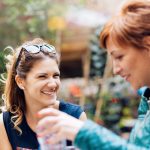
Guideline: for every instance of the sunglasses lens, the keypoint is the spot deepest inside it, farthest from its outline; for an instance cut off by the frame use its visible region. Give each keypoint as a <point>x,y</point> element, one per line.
<point>37,48</point>
<point>49,48</point>
<point>32,49</point>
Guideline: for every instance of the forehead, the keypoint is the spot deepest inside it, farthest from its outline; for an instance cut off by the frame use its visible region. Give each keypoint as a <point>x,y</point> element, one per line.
<point>46,64</point>
<point>114,49</point>
<point>111,47</point>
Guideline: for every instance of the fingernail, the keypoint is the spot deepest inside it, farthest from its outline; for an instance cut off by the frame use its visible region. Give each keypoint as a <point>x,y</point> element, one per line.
<point>39,130</point>
<point>37,115</point>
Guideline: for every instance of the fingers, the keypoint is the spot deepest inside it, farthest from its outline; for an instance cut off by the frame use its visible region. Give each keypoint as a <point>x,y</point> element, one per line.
<point>58,123</point>
<point>49,120</point>
<point>56,138</point>
<point>46,125</point>
<point>47,112</point>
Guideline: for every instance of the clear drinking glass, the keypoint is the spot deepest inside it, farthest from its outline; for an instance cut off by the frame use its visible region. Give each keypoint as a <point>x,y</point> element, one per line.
<point>46,146</point>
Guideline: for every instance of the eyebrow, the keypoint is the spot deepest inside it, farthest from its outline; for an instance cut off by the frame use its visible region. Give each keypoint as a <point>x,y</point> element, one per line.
<point>41,73</point>
<point>113,52</point>
<point>47,73</point>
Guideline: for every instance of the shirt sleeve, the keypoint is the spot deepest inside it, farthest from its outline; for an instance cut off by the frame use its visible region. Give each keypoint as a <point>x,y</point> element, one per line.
<point>94,137</point>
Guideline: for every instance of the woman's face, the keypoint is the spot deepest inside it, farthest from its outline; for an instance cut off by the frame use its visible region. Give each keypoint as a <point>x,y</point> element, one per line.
<point>42,83</point>
<point>131,64</point>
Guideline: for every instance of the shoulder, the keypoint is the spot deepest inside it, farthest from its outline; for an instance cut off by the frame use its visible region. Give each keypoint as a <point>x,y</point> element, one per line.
<point>2,127</point>
<point>4,142</point>
<point>83,116</point>
<point>1,119</point>
<point>71,109</point>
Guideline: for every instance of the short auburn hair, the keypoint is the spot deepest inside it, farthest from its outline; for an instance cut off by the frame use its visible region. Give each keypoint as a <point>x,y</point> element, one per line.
<point>130,26</point>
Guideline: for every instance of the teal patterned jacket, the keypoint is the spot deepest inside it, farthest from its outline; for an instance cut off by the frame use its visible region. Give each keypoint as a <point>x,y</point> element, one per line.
<point>94,137</point>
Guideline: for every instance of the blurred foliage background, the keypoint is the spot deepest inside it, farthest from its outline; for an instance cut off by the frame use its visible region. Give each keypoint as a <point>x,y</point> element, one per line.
<point>22,20</point>
<point>73,26</point>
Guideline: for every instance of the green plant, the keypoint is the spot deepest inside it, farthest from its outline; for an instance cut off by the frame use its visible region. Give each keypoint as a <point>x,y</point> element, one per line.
<point>2,72</point>
<point>98,56</point>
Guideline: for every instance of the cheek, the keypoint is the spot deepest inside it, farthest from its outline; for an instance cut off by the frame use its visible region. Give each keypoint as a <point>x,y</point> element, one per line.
<point>58,83</point>
<point>129,64</point>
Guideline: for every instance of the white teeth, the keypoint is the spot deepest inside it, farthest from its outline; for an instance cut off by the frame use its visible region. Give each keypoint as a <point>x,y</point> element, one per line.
<point>45,92</point>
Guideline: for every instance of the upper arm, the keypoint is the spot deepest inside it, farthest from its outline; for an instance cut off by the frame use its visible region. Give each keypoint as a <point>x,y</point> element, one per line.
<point>4,142</point>
<point>83,116</point>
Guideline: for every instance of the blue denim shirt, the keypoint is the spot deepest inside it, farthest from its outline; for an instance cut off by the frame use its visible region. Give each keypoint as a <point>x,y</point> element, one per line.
<point>94,137</point>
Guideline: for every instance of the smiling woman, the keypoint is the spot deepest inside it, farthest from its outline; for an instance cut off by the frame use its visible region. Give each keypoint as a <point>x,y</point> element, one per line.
<point>32,84</point>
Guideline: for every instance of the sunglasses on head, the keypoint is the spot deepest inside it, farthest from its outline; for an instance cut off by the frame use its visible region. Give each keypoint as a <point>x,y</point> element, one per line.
<point>37,48</point>
<point>34,49</point>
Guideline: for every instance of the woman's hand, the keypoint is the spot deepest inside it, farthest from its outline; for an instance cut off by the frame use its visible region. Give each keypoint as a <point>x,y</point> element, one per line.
<point>61,125</point>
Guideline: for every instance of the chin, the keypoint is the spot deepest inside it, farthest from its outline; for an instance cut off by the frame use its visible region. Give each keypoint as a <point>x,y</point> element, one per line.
<point>52,101</point>
<point>135,86</point>
<point>45,105</point>
<point>49,101</point>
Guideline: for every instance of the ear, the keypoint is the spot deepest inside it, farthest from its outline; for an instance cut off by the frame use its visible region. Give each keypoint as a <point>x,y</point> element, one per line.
<point>20,82</point>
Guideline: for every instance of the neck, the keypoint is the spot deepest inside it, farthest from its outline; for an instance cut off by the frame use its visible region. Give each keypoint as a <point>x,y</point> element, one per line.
<point>31,113</point>
<point>31,118</point>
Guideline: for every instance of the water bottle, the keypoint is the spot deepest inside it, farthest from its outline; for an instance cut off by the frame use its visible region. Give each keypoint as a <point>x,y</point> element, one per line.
<point>46,146</point>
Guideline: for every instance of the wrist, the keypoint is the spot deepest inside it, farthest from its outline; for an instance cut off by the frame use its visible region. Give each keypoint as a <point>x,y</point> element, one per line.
<point>77,128</point>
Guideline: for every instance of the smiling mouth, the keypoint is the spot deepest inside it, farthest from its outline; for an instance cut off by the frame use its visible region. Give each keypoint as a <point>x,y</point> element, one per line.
<point>126,78</point>
<point>48,92</point>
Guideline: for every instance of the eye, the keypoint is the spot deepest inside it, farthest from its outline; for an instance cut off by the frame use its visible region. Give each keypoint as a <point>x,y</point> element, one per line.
<point>57,75</point>
<point>42,76</point>
<point>119,57</point>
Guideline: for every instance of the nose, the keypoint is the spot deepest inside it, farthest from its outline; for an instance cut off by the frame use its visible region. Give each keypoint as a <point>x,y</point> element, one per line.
<point>51,83</point>
<point>116,68</point>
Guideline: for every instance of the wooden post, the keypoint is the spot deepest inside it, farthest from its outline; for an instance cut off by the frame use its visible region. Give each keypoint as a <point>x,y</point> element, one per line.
<point>86,70</point>
<point>107,74</point>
